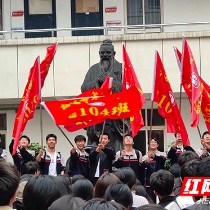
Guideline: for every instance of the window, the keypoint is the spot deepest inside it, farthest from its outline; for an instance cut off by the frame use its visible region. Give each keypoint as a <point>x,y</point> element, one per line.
<point>1,27</point>
<point>3,128</point>
<point>158,129</point>
<point>142,12</point>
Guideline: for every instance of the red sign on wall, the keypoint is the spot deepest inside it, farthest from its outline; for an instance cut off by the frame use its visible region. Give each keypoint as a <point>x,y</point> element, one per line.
<point>110,9</point>
<point>17,13</point>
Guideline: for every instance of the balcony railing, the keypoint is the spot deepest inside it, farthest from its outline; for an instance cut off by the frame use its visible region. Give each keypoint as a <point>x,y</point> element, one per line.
<point>107,28</point>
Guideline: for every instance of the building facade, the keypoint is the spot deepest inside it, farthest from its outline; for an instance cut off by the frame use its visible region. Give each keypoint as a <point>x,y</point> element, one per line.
<point>78,50</point>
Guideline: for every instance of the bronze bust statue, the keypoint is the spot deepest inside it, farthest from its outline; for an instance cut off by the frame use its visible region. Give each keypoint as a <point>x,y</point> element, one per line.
<point>96,75</point>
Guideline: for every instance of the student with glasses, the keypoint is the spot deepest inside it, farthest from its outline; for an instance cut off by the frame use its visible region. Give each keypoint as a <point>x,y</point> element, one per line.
<point>153,161</point>
<point>205,150</point>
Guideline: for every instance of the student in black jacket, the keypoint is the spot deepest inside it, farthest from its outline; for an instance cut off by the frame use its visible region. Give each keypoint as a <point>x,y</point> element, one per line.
<point>23,154</point>
<point>79,160</point>
<point>177,148</point>
<point>101,158</point>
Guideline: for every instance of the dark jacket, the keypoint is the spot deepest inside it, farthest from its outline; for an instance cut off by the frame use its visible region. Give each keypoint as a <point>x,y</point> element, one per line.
<point>106,157</point>
<point>174,152</point>
<point>45,163</point>
<point>79,164</point>
<point>21,156</point>
<point>133,161</point>
<point>156,163</point>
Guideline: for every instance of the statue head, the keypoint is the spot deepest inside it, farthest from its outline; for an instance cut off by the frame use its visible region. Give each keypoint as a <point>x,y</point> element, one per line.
<point>106,53</point>
<point>107,50</point>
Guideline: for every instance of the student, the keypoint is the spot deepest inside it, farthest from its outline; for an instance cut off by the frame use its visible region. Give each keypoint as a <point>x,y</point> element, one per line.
<point>41,191</point>
<point>177,148</point>
<point>9,180</point>
<point>153,161</point>
<point>162,182</point>
<point>101,158</point>
<point>120,193</point>
<point>103,183</point>
<point>79,160</point>
<point>83,189</point>
<point>67,202</point>
<point>205,150</point>
<point>50,161</point>
<point>129,157</point>
<point>23,154</point>
<point>127,176</point>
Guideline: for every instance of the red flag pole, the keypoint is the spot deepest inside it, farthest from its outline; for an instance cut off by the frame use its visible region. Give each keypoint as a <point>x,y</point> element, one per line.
<point>40,107</point>
<point>151,116</point>
<point>65,135</point>
<point>180,98</point>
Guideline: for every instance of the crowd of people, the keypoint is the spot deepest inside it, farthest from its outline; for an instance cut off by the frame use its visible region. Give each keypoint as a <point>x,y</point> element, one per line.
<point>101,178</point>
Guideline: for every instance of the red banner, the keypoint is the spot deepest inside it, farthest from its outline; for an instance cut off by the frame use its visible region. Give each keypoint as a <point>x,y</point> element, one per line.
<point>167,106</point>
<point>191,82</point>
<point>106,89</point>
<point>130,78</point>
<point>30,100</point>
<point>45,65</point>
<point>119,105</point>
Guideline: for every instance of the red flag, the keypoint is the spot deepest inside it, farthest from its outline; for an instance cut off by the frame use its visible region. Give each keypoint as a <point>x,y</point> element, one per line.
<point>191,82</point>
<point>45,65</point>
<point>167,106</point>
<point>118,105</point>
<point>205,106</point>
<point>107,86</point>
<point>130,78</point>
<point>30,100</point>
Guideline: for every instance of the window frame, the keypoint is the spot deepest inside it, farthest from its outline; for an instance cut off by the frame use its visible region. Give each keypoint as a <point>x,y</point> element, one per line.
<point>143,29</point>
<point>146,128</point>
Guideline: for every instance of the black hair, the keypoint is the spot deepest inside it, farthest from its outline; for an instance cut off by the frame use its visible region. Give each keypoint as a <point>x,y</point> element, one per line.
<point>79,137</point>
<point>30,167</point>
<point>83,189</point>
<point>150,207</point>
<point>128,134</point>
<point>140,190</point>
<point>176,134</point>
<point>67,202</point>
<point>155,140</point>
<point>126,176</point>
<point>101,204</point>
<point>189,169</point>
<point>41,191</point>
<point>203,168</point>
<point>9,179</point>
<point>105,134</point>
<point>175,169</point>
<point>104,181</point>
<point>206,132</point>
<point>51,135</point>
<point>77,177</point>
<point>120,193</point>
<point>162,182</point>
<point>66,181</point>
<point>187,156</point>
<point>26,137</point>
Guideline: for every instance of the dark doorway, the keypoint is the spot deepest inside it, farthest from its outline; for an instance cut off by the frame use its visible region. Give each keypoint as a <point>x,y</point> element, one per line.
<point>39,14</point>
<point>87,13</point>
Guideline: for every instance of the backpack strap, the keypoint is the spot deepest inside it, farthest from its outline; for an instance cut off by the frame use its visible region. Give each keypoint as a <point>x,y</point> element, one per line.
<point>137,154</point>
